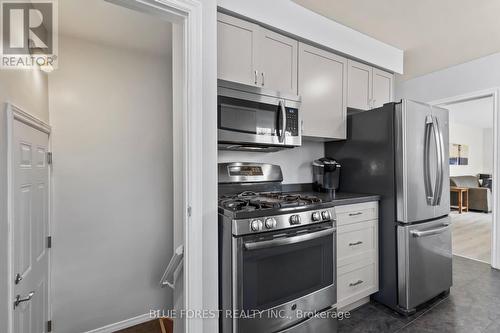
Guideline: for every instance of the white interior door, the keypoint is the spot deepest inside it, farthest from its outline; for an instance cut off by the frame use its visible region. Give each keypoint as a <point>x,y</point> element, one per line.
<point>30,259</point>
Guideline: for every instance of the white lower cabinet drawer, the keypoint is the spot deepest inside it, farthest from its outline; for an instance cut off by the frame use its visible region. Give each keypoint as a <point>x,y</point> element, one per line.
<point>355,241</point>
<point>356,283</point>
<point>356,213</point>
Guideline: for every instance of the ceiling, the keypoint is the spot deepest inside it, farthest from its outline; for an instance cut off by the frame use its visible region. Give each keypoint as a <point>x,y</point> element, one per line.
<point>474,113</point>
<point>102,22</point>
<point>434,34</point>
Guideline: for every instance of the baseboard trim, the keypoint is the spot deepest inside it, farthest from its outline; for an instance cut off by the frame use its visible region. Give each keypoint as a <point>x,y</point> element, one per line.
<point>123,324</point>
<point>462,256</point>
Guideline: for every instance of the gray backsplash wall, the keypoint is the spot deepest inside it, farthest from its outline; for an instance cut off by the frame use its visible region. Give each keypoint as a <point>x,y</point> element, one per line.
<point>295,163</point>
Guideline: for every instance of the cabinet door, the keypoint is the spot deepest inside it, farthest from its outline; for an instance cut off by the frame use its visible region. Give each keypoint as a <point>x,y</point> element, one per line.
<point>382,87</point>
<point>277,62</point>
<point>236,49</point>
<point>359,92</point>
<point>323,88</point>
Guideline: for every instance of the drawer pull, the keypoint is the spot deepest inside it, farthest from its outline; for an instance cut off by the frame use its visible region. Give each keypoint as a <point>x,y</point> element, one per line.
<point>353,284</point>
<point>357,243</point>
<point>355,214</point>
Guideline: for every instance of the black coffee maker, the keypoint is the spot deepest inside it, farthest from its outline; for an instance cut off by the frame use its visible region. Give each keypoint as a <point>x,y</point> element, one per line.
<point>326,174</point>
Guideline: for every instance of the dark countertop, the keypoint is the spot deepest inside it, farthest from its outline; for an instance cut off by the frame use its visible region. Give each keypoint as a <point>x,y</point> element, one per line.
<point>343,198</point>
<point>340,198</point>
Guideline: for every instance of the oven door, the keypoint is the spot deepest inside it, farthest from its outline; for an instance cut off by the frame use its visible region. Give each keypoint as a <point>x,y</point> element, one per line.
<point>280,276</point>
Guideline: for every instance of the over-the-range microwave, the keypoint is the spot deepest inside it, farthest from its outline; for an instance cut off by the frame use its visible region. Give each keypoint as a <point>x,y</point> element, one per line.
<point>256,119</point>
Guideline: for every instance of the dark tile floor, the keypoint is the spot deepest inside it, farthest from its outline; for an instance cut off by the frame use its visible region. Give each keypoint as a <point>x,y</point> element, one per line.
<point>473,305</point>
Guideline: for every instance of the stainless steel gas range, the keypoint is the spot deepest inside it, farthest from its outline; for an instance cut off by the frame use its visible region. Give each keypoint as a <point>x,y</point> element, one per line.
<point>277,256</point>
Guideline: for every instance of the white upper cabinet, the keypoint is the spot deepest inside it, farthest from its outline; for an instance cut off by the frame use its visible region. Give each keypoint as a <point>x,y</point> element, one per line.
<point>236,49</point>
<point>383,84</point>
<point>360,80</point>
<point>328,83</point>
<point>368,87</point>
<point>250,54</point>
<point>323,88</point>
<point>277,61</point>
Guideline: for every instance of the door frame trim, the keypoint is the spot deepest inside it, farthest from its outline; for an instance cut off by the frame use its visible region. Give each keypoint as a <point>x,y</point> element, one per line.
<point>186,17</point>
<point>16,113</point>
<point>495,94</point>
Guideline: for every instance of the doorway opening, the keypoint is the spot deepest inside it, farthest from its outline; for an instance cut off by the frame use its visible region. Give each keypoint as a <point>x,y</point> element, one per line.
<point>125,115</point>
<point>473,168</point>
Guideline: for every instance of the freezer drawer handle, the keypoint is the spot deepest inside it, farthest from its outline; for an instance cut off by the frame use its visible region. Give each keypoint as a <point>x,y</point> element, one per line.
<point>355,214</point>
<point>436,231</point>
<point>354,284</point>
<point>357,243</point>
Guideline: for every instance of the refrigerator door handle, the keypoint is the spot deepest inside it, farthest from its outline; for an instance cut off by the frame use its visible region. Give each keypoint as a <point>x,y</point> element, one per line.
<point>429,121</point>
<point>440,162</point>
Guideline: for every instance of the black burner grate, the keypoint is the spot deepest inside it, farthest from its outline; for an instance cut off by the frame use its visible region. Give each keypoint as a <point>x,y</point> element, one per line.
<point>250,201</point>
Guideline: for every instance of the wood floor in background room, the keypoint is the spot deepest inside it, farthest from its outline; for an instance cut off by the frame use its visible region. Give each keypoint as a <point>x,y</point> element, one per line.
<point>148,327</point>
<point>472,235</point>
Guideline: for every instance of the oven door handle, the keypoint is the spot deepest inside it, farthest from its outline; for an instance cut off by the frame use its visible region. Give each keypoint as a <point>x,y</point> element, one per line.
<point>288,240</point>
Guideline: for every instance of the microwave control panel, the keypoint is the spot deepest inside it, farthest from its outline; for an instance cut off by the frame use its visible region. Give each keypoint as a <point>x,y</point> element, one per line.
<point>292,121</point>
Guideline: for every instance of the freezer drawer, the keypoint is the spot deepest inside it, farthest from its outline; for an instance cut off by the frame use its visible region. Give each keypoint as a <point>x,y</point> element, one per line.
<point>424,262</point>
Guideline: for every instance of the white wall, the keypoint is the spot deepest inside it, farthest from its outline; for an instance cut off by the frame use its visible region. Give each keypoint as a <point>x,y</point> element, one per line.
<point>476,75</point>
<point>295,163</point>
<point>28,90</point>
<point>111,117</point>
<point>488,150</point>
<point>294,19</point>
<point>474,138</point>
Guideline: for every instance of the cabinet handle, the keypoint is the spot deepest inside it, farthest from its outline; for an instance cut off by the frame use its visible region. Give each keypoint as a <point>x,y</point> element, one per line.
<point>357,243</point>
<point>355,214</point>
<point>263,78</point>
<point>353,284</point>
<point>256,74</point>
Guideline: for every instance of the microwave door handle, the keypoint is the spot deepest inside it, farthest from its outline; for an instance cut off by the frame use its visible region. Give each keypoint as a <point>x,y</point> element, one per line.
<point>287,240</point>
<point>281,131</point>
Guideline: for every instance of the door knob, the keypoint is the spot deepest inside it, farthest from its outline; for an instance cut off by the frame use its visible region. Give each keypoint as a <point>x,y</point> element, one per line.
<point>20,300</point>
<point>18,279</point>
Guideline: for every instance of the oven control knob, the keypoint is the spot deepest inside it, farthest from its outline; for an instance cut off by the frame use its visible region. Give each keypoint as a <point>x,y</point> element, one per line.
<point>316,217</point>
<point>270,223</point>
<point>325,215</point>
<point>256,225</point>
<point>295,219</point>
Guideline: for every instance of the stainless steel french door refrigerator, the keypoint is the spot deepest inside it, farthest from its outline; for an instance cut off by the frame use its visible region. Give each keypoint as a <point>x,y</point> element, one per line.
<point>401,152</point>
